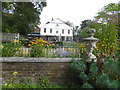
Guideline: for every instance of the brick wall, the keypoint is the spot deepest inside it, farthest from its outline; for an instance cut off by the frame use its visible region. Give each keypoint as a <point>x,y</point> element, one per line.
<point>37,30</point>
<point>56,70</point>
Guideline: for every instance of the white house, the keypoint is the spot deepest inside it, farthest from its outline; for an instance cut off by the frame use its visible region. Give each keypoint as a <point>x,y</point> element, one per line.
<point>56,30</point>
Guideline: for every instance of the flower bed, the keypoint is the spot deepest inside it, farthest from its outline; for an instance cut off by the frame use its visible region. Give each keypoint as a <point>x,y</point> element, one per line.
<point>38,48</point>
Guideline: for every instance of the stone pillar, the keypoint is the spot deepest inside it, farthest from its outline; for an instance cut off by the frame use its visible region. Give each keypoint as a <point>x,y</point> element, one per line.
<point>91,44</point>
<point>65,38</point>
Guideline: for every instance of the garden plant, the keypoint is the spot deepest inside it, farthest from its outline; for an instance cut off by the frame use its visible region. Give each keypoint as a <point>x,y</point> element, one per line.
<point>101,74</point>
<point>27,83</point>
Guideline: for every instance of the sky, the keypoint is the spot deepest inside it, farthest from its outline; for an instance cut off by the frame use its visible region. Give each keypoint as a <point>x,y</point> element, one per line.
<point>74,11</point>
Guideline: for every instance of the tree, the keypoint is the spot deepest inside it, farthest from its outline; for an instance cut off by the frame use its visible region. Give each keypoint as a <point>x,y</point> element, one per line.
<point>75,33</point>
<point>109,16</point>
<point>88,24</point>
<point>107,27</point>
<point>108,33</point>
<point>21,17</point>
<point>85,24</point>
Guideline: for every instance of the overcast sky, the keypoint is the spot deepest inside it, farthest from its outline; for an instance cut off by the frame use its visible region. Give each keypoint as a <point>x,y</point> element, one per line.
<point>74,11</point>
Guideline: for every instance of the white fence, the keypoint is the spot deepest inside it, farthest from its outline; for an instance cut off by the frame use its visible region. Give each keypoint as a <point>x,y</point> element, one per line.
<point>54,52</point>
<point>7,37</point>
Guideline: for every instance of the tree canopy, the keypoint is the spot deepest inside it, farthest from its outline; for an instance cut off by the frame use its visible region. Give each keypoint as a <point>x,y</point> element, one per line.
<point>106,20</point>
<point>21,17</point>
<point>107,28</point>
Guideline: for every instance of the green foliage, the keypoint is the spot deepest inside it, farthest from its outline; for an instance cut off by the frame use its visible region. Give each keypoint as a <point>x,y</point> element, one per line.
<point>91,75</point>
<point>38,47</point>
<point>28,83</point>
<point>103,81</point>
<point>111,7</point>
<point>108,19</point>
<point>107,28</point>
<point>107,39</point>
<point>86,85</point>
<point>37,51</point>
<point>93,68</point>
<point>83,33</point>
<point>114,84</point>
<point>44,82</point>
<point>20,17</point>
<point>89,25</point>
<point>59,43</point>
<point>78,66</point>
<point>18,85</point>
<point>111,67</point>
<point>22,37</point>
<point>85,24</point>
<point>9,49</point>
<point>83,76</point>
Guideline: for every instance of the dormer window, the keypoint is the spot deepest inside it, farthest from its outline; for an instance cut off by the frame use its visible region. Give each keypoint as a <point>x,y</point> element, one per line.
<point>57,25</point>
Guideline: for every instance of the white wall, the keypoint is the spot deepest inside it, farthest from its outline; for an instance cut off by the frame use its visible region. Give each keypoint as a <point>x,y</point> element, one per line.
<point>54,32</point>
<point>52,25</point>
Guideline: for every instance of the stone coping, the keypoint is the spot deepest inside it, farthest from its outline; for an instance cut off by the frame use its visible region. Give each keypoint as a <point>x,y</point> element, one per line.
<point>34,59</point>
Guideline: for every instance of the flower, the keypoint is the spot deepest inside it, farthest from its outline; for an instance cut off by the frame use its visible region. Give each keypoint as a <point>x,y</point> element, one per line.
<point>14,73</point>
<point>62,53</point>
<point>29,45</point>
<point>25,53</point>
<point>6,84</point>
<point>53,44</point>
<point>20,48</point>
<point>1,46</point>
<point>16,41</point>
<point>118,42</point>
<point>96,48</point>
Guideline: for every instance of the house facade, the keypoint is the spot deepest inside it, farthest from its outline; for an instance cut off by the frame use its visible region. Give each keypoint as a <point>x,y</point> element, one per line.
<point>56,30</point>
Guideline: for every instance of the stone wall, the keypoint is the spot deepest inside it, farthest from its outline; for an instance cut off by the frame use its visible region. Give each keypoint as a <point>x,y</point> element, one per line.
<point>57,70</point>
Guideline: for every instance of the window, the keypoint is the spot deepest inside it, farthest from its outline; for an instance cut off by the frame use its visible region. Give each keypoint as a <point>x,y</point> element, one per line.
<point>57,25</point>
<point>56,31</point>
<point>44,30</point>
<point>50,30</point>
<point>68,31</point>
<point>62,31</point>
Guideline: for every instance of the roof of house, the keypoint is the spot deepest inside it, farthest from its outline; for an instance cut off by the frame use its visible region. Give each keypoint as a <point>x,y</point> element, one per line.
<point>57,23</point>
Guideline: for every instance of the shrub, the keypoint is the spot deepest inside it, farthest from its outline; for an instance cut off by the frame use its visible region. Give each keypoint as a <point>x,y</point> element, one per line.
<point>37,51</point>
<point>103,81</point>
<point>28,83</point>
<point>111,67</point>
<point>60,43</point>
<point>10,49</point>
<point>86,85</point>
<point>91,76</point>
<point>38,47</point>
<point>78,66</point>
